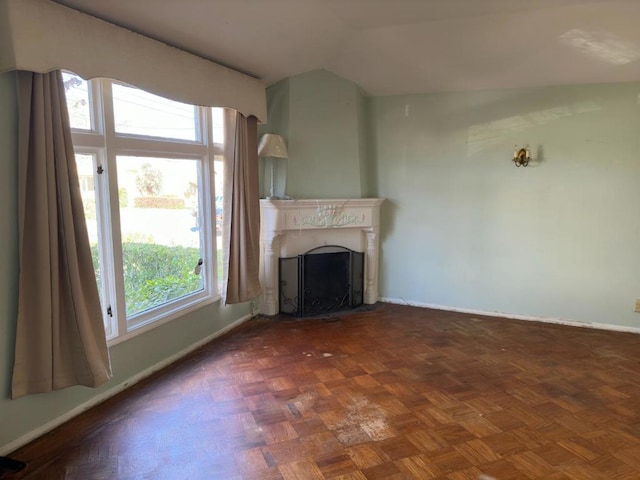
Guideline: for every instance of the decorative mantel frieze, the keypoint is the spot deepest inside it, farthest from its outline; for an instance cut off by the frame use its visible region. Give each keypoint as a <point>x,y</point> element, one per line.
<point>327,216</point>
<point>293,227</point>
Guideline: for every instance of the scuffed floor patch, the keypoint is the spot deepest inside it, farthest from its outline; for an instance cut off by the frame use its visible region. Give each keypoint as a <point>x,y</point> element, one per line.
<point>364,421</point>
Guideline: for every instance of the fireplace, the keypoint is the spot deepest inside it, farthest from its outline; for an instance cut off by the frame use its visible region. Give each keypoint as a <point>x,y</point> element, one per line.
<point>323,280</point>
<point>290,228</point>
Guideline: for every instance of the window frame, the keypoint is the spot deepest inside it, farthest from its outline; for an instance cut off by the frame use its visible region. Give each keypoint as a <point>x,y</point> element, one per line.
<point>106,145</point>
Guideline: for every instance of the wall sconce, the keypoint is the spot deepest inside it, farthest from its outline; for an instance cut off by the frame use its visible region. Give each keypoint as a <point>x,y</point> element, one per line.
<point>522,156</point>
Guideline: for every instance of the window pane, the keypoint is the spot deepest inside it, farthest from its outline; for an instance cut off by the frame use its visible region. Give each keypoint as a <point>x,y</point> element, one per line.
<point>77,92</point>
<point>217,124</point>
<point>86,165</point>
<point>218,168</point>
<point>141,113</point>
<point>217,131</point>
<point>160,227</point>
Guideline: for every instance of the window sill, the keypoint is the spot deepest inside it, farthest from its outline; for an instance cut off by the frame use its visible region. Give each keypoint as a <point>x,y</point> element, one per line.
<point>177,312</point>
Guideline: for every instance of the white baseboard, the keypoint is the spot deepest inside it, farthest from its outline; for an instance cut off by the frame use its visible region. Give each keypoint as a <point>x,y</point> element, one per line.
<point>65,417</point>
<point>529,318</point>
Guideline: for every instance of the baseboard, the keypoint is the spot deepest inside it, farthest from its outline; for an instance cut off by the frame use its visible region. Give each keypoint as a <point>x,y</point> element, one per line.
<point>74,412</point>
<point>529,318</point>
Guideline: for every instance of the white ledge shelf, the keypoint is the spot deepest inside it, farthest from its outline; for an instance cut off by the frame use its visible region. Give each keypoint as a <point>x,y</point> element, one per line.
<point>293,227</point>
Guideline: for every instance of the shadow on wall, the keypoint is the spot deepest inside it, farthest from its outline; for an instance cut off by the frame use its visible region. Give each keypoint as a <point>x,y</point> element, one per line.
<point>388,215</point>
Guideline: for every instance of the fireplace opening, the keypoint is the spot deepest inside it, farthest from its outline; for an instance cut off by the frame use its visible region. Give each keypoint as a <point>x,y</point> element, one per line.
<point>323,280</point>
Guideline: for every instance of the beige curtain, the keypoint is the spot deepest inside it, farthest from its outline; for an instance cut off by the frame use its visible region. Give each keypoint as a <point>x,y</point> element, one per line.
<point>241,218</point>
<point>60,338</point>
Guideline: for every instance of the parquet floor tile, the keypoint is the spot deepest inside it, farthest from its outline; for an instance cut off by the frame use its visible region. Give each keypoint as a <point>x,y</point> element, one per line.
<point>381,393</point>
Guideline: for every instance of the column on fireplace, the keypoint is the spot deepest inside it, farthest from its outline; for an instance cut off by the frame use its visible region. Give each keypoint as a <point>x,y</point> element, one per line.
<point>271,252</point>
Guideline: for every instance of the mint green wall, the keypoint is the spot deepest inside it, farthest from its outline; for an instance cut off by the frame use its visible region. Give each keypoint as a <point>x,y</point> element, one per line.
<point>324,135</point>
<point>464,228</point>
<point>21,416</point>
<point>278,122</point>
<point>365,143</point>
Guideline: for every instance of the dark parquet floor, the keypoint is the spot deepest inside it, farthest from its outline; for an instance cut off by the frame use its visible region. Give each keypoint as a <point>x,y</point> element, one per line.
<point>387,392</point>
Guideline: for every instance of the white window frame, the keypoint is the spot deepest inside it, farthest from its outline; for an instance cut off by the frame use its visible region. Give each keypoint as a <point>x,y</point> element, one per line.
<point>105,145</point>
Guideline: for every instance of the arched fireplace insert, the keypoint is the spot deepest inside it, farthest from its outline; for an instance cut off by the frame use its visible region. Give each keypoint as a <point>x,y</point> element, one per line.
<point>323,280</point>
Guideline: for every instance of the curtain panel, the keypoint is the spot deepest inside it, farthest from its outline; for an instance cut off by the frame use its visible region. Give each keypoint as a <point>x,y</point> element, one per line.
<point>241,209</point>
<point>60,339</point>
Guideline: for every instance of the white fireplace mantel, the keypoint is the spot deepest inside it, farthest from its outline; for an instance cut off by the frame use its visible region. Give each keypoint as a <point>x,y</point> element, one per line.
<point>293,227</point>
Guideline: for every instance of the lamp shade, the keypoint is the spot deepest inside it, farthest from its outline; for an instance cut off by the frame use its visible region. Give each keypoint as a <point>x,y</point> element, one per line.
<point>272,145</point>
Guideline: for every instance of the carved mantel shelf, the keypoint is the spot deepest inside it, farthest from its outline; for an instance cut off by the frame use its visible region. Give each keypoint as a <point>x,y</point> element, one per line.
<point>293,227</point>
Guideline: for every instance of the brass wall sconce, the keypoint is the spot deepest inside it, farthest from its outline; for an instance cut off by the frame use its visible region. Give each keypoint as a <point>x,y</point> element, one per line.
<point>522,156</point>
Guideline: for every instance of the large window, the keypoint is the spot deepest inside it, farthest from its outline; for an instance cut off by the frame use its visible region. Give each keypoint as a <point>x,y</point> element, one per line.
<point>150,173</point>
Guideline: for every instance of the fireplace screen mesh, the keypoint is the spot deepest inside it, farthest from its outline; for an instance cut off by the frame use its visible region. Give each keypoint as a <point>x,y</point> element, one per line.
<point>323,280</point>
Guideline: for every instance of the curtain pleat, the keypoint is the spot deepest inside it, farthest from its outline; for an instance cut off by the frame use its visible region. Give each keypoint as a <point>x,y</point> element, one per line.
<point>60,339</point>
<point>241,212</point>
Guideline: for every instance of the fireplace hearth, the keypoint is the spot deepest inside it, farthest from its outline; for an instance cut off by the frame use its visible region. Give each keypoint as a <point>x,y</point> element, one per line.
<point>323,280</point>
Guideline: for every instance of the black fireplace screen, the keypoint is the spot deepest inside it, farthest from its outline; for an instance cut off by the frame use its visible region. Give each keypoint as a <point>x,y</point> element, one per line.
<point>322,280</point>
